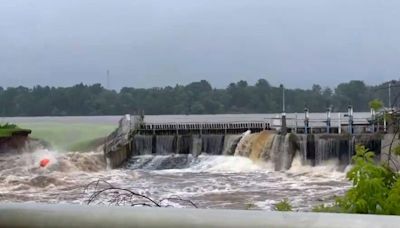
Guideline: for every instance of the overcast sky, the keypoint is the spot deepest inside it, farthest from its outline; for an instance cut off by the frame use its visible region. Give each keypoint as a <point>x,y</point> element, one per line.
<point>151,43</point>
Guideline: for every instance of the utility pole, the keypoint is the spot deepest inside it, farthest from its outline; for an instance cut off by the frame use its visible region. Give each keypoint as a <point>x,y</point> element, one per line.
<point>391,84</point>
<point>283,123</point>
<point>390,94</point>
<point>283,99</point>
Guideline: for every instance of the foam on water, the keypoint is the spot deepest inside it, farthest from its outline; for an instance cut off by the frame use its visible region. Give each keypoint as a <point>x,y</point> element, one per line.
<point>327,168</point>
<point>226,164</point>
<point>209,181</point>
<point>262,173</point>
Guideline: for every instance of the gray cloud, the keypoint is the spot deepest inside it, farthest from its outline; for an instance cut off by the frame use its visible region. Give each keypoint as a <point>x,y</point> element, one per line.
<point>156,43</point>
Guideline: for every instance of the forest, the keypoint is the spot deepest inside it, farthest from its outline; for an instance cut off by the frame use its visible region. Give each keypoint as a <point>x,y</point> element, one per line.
<point>195,98</point>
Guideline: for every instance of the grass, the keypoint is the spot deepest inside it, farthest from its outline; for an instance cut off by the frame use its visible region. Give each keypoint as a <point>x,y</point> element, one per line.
<point>69,136</point>
<point>8,130</point>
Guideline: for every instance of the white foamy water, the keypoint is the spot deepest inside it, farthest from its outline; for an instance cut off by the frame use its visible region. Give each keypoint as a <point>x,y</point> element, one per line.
<point>209,181</point>
<point>225,164</point>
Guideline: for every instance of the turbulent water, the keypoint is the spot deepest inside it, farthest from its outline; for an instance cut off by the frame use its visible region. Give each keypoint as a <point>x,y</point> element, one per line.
<point>209,181</point>
<point>249,171</point>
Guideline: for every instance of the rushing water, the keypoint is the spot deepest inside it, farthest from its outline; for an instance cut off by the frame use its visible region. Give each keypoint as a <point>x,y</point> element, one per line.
<point>238,172</point>
<point>209,181</point>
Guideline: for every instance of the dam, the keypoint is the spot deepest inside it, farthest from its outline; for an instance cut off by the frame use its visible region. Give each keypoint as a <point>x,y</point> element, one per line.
<point>277,139</point>
<point>240,169</point>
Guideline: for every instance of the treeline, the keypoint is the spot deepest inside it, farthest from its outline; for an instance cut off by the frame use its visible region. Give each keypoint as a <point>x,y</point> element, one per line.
<point>194,98</point>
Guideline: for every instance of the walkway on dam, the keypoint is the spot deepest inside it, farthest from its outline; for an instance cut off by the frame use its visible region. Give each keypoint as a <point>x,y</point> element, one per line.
<point>237,123</point>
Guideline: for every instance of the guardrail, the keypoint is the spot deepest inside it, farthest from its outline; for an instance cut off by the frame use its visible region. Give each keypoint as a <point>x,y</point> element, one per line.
<point>191,126</point>
<point>64,215</point>
<point>272,122</point>
<point>293,124</point>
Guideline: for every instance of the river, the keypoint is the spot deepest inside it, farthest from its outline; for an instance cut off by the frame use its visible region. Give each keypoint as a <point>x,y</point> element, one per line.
<point>208,181</point>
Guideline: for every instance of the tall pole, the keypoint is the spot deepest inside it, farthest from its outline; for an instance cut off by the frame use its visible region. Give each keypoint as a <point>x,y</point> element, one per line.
<point>350,115</point>
<point>372,120</point>
<point>283,123</point>
<point>390,95</point>
<point>384,122</point>
<point>283,100</point>
<point>306,120</point>
<point>328,120</point>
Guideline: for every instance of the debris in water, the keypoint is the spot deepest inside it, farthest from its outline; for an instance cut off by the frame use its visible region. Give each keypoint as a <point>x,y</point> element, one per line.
<point>123,196</point>
<point>44,162</point>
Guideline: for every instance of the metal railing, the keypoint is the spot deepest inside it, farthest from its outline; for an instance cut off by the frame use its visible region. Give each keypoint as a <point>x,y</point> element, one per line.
<point>191,126</point>
<point>272,122</point>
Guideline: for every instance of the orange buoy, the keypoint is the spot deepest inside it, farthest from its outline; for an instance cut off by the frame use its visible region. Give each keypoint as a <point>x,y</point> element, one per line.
<point>44,162</point>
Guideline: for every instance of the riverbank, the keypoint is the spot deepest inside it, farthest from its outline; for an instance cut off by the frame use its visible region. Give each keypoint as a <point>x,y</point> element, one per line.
<point>12,137</point>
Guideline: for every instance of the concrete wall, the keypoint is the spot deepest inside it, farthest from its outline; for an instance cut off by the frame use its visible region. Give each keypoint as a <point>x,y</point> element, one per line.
<point>42,215</point>
<point>116,158</point>
<point>117,144</point>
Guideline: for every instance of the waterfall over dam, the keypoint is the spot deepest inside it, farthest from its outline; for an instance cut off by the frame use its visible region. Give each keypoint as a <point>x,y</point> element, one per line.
<point>211,166</point>
<point>165,146</point>
<point>177,151</point>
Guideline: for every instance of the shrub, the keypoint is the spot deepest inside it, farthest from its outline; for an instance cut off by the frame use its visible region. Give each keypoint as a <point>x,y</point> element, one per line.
<point>8,126</point>
<point>283,205</point>
<point>376,188</point>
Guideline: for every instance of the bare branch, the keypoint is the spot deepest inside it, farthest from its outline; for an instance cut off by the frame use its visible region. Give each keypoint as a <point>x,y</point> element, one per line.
<point>123,196</point>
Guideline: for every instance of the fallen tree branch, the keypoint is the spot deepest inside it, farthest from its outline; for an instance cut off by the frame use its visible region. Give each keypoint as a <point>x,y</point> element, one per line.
<point>123,196</point>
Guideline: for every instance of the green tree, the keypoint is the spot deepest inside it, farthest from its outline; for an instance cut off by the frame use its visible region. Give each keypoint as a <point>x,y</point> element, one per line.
<point>196,97</point>
<point>354,93</point>
<point>376,104</point>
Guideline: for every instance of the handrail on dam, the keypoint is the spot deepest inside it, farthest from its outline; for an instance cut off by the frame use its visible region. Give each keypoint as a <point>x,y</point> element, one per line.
<point>216,125</point>
<point>296,125</point>
<point>67,215</point>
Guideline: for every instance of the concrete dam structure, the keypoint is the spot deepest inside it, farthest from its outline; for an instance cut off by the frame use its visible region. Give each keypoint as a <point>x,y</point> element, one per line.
<point>265,146</point>
<point>145,145</point>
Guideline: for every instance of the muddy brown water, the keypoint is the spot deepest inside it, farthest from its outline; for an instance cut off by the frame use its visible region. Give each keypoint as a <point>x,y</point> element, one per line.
<point>209,181</point>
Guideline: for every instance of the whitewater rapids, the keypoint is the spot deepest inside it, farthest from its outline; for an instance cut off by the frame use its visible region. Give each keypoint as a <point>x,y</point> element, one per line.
<point>233,182</point>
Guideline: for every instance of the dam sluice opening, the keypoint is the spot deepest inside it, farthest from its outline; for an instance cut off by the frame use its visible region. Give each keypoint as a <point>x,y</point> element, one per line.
<point>157,152</point>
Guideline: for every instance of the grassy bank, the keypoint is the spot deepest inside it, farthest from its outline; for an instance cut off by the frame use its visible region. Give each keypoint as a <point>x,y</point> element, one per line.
<point>8,130</point>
